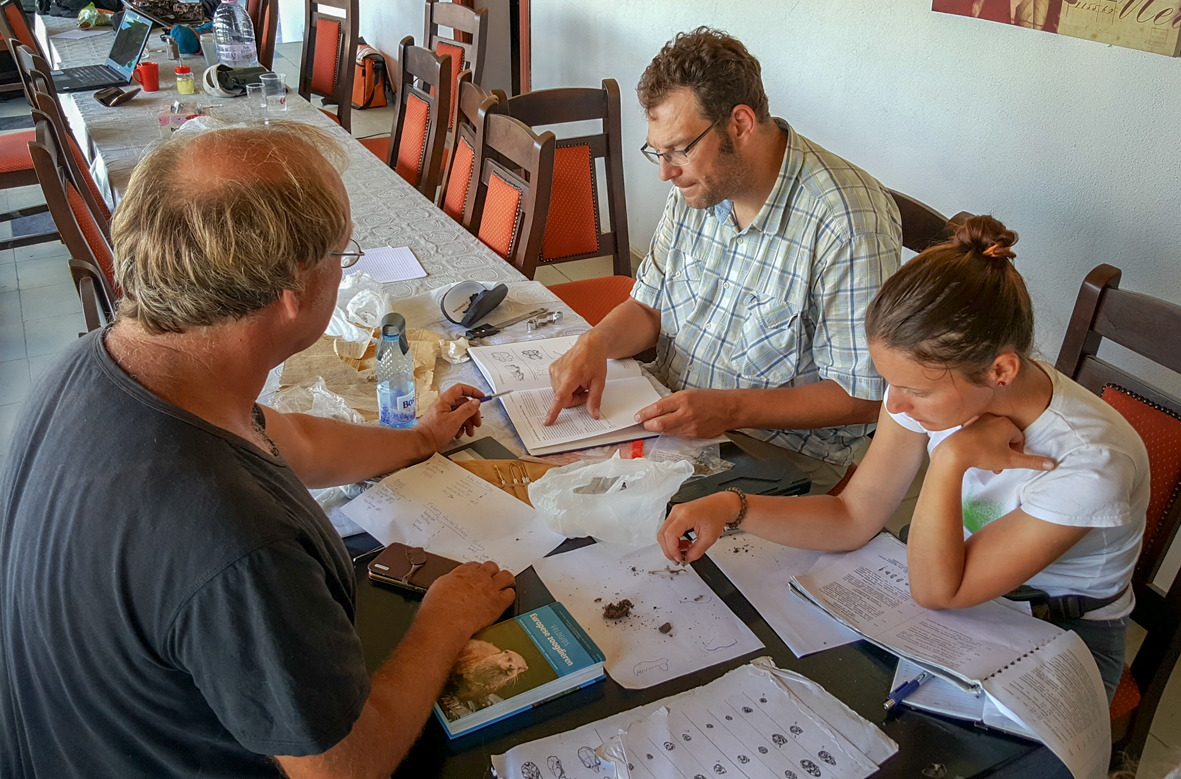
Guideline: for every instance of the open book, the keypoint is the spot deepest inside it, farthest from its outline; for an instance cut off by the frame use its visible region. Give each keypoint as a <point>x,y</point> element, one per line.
<point>1033,672</point>
<point>524,368</point>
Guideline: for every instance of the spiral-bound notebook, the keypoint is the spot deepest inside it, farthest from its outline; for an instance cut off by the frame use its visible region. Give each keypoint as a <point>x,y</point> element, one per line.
<point>1032,672</point>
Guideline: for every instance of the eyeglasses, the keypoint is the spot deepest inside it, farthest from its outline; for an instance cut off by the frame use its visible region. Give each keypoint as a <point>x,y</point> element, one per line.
<point>676,157</point>
<point>349,259</point>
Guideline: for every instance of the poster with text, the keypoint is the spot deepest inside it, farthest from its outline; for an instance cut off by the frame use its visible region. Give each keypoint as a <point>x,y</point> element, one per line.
<point>1148,25</point>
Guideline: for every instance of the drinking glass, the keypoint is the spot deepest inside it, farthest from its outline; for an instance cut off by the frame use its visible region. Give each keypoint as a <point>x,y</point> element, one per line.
<point>274,86</point>
<point>257,100</point>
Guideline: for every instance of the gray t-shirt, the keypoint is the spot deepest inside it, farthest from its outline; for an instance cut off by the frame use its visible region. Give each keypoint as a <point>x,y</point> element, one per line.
<point>173,603</point>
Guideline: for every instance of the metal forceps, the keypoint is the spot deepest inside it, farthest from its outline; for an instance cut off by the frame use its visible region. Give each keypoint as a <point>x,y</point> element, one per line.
<point>416,556</point>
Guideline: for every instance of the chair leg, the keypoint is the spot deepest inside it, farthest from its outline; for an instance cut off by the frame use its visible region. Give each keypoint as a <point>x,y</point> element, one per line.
<point>26,240</point>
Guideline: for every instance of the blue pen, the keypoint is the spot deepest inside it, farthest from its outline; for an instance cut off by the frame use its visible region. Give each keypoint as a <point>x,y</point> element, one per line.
<point>905,689</point>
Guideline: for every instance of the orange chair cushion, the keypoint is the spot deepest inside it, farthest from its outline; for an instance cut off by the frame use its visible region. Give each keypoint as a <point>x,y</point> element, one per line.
<point>330,115</point>
<point>379,145</point>
<point>14,151</point>
<point>412,147</point>
<point>325,55</point>
<point>571,228</point>
<point>498,223</point>
<point>457,63</point>
<point>1161,432</point>
<point>1127,695</point>
<point>593,299</point>
<point>20,26</point>
<point>460,180</point>
<point>94,237</point>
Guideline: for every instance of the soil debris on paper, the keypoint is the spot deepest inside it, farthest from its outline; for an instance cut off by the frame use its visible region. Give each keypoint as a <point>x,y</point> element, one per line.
<point>618,610</point>
<point>666,628</point>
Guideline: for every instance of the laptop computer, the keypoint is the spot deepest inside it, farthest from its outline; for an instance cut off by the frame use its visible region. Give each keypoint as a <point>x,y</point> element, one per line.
<point>126,50</point>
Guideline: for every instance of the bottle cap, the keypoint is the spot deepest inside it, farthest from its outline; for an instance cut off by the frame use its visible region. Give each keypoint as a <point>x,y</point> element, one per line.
<point>182,69</point>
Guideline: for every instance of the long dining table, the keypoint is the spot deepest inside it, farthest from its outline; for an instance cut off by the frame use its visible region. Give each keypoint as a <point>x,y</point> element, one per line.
<point>387,210</point>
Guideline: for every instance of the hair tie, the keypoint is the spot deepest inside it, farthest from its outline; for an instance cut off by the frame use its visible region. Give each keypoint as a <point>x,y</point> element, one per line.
<point>999,252</point>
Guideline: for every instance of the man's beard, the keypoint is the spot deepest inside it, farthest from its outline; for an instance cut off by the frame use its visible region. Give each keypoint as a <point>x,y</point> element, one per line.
<point>731,180</point>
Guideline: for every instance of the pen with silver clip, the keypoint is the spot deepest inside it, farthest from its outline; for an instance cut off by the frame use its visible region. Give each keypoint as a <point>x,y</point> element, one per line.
<point>905,689</point>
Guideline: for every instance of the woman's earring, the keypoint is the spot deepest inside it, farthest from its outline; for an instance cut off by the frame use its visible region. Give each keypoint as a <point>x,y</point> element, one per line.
<point>1000,384</point>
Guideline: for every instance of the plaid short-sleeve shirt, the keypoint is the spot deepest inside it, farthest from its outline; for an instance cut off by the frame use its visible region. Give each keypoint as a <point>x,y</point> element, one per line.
<point>781,303</point>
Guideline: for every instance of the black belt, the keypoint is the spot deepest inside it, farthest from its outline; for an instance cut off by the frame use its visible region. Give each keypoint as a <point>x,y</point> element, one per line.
<point>1060,608</point>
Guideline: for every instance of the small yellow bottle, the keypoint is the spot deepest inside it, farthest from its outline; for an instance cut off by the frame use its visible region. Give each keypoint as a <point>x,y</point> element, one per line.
<point>184,80</point>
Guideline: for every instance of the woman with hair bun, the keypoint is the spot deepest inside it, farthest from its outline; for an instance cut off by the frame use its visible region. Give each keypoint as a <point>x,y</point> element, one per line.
<point>1033,479</point>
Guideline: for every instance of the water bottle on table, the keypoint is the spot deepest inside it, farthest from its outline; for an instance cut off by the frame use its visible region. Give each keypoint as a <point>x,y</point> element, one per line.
<point>395,374</point>
<point>234,33</point>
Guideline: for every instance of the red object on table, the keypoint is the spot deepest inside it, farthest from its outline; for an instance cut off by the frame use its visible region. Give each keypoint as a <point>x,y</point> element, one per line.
<point>148,74</point>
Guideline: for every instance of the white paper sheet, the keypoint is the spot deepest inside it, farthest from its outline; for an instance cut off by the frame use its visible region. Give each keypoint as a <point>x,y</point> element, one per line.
<point>387,264</point>
<point>1057,692</point>
<point>454,513</point>
<point>74,35</point>
<point>704,630</point>
<point>621,400</point>
<point>575,751</point>
<point>762,571</point>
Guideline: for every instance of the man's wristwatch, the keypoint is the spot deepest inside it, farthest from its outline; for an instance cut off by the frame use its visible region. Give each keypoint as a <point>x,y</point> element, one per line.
<point>734,523</point>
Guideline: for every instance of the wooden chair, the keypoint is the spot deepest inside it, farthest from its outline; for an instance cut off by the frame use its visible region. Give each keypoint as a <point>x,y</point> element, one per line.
<point>16,167</point>
<point>574,228</point>
<point>1152,329</point>
<point>264,15</point>
<point>329,56</point>
<point>414,147</point>
<point>512,195</point>
<point>467,47</point>
<point>922,227</point>
<point>41,93</point>
<point>472,110</point>
<point>92,266</point>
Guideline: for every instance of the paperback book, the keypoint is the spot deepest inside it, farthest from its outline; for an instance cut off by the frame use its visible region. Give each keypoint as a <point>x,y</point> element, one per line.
<point>515,665</point>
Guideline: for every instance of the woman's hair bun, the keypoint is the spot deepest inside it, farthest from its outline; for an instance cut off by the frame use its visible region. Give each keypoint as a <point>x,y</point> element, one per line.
<point>986,236</point>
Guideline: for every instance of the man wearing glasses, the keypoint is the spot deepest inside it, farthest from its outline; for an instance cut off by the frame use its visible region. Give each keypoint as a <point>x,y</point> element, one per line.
<point>173,602</point>
<point>759,274</point>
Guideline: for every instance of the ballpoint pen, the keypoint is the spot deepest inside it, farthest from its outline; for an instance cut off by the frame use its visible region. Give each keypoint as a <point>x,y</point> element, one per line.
<point>487,398</point>
<point>905,689</point>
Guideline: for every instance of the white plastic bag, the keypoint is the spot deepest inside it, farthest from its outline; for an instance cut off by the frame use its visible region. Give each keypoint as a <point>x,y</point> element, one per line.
<point>617,501</point>
<point>314,397</point>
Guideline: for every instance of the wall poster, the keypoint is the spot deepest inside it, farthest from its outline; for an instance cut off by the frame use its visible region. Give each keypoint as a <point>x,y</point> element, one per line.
<point>1148,25</point>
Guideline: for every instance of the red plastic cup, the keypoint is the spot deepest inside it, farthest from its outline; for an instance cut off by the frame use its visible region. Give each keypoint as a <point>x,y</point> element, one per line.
<point>147,74</point>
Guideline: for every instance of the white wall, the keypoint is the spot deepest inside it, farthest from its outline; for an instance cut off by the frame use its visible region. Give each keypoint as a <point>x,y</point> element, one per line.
<point>1073,144</point>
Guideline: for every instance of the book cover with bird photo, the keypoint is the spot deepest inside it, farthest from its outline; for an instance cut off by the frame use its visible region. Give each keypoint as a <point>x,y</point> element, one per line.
<point>515,665</point>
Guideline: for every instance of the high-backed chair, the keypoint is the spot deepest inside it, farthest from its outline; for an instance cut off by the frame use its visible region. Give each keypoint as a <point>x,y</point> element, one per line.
<point>40,92</point>
<point>16,167</point>
<point>512,196</point>
<point>466,47</point>
<point>329,56</point>
<point>1152,329</point>
<point>471,118</point>
<point>264,15</point>
<point>414,147</point>
<point>922,227</point>
<point>92,266</point>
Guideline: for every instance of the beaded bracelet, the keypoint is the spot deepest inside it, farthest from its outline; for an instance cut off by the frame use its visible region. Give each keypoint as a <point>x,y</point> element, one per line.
<point>733,525</point>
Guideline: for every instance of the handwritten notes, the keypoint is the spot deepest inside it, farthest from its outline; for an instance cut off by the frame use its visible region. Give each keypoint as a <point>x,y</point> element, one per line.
<point>450,511</point>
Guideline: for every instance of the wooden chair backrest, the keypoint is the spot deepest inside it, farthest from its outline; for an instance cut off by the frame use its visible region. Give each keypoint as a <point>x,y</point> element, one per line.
<point>1151,328</point>
<point>577,225</point>
<point>330,54</point>
<point>467,139</point>
<point>419,133</point>
<point>512,195</point>
<point>922,226</point>
<point>264,14</point>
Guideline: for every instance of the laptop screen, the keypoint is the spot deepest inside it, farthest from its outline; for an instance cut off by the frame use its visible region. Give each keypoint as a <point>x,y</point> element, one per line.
<point>129,43</point>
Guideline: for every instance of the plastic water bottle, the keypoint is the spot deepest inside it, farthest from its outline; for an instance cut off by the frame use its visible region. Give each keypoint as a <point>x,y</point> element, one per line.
<point>234,33</point>
<point>395,374</point>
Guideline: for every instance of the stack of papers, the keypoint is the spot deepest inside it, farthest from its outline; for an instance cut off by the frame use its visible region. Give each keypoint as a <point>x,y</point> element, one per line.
<point>757,721</point>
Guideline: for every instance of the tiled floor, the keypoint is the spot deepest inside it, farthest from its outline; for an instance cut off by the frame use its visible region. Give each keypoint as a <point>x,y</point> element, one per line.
<point>40,315</point>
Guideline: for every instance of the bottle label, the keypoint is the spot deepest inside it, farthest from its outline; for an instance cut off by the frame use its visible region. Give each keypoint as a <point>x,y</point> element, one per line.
<point>236,52</point>
<point>405,410</point>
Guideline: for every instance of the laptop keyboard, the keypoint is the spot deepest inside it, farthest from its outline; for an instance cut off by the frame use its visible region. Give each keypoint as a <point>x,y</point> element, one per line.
<point>90,73</point>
